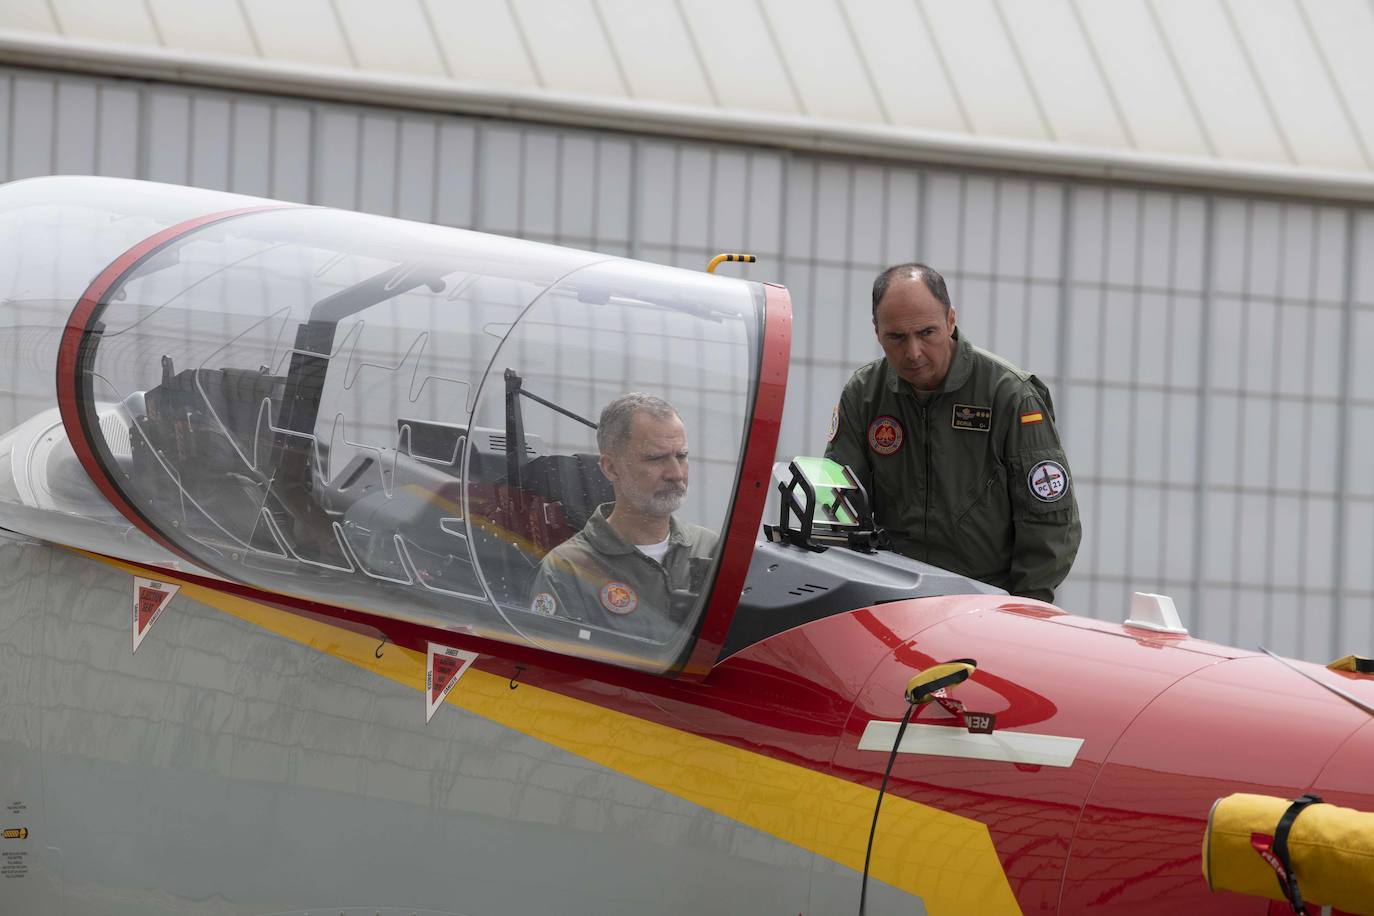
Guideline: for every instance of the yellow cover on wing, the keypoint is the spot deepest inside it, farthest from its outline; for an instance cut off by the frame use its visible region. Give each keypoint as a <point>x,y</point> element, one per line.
<point>1330,848</point>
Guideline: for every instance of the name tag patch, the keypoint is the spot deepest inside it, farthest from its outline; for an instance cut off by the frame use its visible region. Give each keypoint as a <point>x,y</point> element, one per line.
<point>968,416</point>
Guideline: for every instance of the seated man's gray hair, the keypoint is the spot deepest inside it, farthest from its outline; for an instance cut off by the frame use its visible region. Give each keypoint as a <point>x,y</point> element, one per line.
<point>613,430</point>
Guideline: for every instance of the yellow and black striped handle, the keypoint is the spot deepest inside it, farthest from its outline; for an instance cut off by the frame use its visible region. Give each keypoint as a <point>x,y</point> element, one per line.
<point>716,261</point>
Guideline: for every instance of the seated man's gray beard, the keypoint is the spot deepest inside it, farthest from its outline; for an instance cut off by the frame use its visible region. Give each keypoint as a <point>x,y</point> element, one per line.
<point>667,503</point>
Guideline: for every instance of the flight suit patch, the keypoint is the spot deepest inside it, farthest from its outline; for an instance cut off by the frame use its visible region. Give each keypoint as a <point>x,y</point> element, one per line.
<point>834,424</point>
<point>885,435</point>
<point>618,598</point>
<point>544,603</point>
<point>1048,481</point>
<point>967,416</point>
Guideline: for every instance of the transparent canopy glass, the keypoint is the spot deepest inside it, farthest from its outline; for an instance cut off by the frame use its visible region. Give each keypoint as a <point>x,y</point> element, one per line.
<point>374,413</point>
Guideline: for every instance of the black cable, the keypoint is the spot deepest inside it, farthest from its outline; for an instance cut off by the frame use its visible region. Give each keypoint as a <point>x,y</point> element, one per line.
<point>877,806</point>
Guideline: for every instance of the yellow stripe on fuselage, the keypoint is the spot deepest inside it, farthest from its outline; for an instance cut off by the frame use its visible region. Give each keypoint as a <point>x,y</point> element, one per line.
<point>947,860</point>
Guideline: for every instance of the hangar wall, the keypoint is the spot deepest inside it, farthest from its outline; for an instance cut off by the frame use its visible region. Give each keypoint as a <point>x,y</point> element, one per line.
<point>1203,348</point>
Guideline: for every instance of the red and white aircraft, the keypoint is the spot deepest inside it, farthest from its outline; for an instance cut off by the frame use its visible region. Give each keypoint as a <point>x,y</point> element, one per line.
<point>307,463</point>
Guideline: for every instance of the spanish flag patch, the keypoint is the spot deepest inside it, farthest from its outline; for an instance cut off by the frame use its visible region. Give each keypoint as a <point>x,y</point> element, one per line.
<point>1034,417</point>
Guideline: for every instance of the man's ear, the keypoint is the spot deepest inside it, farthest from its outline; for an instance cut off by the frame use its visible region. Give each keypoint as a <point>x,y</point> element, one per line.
<point>608,468</point>
<point>953,318</point>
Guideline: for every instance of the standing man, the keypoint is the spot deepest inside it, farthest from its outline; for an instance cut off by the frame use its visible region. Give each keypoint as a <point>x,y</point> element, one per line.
<point>633,567</point>
<point>956,447</point>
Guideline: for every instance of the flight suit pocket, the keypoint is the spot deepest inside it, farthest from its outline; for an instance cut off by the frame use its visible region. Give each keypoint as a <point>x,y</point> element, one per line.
<point>978,497</point>
<point>983,528</point>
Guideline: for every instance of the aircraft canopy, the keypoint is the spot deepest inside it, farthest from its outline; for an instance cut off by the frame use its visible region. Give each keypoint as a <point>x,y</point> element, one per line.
<point>375,414</point>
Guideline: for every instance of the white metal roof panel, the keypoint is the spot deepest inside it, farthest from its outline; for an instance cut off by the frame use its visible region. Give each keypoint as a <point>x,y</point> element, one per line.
<point>214,26</point>
<point>1213,61</point>
<point>1200,88</point>
<point>1300,87</point>
<point>655,49</point>
<point>571,48</point>
<point>28,14</point>
<point>391,36</point>
<point>302,31</point>
<point>109,20</point>
<point>1061,68</point>
<point>818,47</point>
<point>1156,108</point>
<point>481,41</point>
<point>906,65</point>
<point>1290,69</point>
<point>741,55</point>
<point>986,68</point>
<point>1344,33</point>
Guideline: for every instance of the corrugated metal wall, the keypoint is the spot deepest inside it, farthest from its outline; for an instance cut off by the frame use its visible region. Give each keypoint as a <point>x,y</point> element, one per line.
<point>1204,350</point>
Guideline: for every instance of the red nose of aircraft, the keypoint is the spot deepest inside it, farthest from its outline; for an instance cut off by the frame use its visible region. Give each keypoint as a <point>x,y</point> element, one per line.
<point>1110,745</point>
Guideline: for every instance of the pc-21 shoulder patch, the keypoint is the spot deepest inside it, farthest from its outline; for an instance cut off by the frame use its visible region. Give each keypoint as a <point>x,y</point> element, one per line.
<point>1048,481</point>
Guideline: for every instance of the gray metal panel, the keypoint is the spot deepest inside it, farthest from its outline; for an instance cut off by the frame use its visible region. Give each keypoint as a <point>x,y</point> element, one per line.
<point>615,183</point>
<point>233,771</point>
<point>250,143</point>
<point>32,128</point>
<point>75,129</point>
<point>167,136</point>
<point>575,200</point>
<point>7,80</point>
<point>334,148</point>
<point>211,129</point>
<point>1203,350</point>
<point>292,153</point>
<point>415,168</point>
<point>456,174</point>
<point>378,166</point>
<point>24,628</point>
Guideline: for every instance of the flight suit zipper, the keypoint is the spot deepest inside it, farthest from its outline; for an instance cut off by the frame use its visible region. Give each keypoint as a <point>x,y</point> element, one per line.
<point>925,515</point>
<point>662,570</point>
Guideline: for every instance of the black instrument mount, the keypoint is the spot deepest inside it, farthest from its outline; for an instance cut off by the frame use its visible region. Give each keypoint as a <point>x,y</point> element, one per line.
<point>815,536</point>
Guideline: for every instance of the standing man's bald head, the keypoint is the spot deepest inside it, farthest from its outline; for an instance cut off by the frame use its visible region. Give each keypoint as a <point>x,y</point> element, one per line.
<point>915,323</point>
<point>913,271</point>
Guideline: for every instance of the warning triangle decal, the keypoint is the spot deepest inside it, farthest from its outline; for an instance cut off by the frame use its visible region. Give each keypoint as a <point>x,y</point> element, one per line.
<point>443,667</point>
<point>150,599</point>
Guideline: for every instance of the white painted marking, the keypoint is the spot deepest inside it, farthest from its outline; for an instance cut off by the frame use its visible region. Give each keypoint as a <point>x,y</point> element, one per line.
<point>952,741</point>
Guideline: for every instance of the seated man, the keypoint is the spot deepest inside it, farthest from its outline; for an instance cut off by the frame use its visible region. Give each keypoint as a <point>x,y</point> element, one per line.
<point>633,567</point>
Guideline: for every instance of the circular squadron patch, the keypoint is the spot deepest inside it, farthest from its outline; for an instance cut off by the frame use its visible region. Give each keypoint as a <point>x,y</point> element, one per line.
<point>885,435</point>
<point>1048,480</point>
<point>544,603</point>
<point>618,598</point>
<point>834,424</point>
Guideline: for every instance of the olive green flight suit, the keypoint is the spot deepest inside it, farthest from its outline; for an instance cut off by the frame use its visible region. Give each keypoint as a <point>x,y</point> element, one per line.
<point>974,480</point>
<point>596,577</point>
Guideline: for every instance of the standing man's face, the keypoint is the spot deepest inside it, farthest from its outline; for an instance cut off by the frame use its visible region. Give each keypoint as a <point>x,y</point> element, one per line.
<point>649,473</point>
<point>916,335</point>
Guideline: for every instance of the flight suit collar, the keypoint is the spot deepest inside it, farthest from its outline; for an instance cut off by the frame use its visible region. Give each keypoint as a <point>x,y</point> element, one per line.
<point>606,541</point>
<point>960,368</point>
